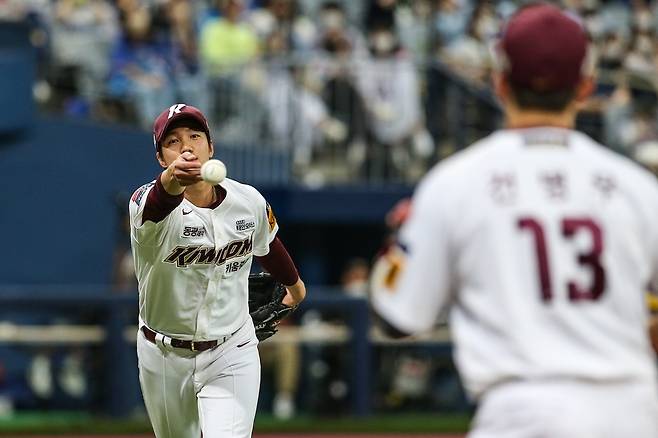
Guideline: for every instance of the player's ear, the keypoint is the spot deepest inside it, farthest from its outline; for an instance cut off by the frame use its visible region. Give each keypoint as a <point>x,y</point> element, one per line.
<point>585,88</point>
<point>211,148</point>
<point>158,156</point>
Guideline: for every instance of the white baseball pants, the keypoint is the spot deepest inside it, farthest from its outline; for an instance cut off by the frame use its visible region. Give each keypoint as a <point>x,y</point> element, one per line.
<point>215,391</point>
<point>568,409</point>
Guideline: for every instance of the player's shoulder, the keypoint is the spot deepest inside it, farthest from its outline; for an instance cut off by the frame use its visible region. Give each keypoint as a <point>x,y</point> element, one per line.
<point>139,193</point>
<point>467,163</point>
<point>241,190</point>
<point>628,171</point>
<point>452,176</point>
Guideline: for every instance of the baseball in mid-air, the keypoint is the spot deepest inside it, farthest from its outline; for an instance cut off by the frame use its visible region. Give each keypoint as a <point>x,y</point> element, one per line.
<point>213,171</point>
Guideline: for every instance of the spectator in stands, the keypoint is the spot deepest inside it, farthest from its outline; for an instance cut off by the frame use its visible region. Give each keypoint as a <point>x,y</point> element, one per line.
<point>286,18</point>
<point>450,21</point>
<point>13,10</point>
<point>463,116</point>
<point>354,278</point>
<point>380,14</point>
<point>226,41</point>
<point>400,145</point>
<point>643,20</point>
<point>181,30</point>
<point>469,54</point>
<point>181,34</point>
<point>631,115</point>
<point>589,12</point>
<point>336,35</point>
<point>342,47</point>
<point>83,34</point>
<point>414,24</point>
<point>296,116</point>
<point>612,51</point>
<point>641,56</point>
<point>228,45</point>
<point>141,68</point>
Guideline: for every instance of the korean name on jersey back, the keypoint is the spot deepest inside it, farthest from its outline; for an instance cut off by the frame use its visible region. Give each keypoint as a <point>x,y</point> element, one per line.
<point>185,255</point>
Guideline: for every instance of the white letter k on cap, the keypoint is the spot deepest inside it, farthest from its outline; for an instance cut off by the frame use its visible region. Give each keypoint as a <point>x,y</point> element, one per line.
<point>175,109</point>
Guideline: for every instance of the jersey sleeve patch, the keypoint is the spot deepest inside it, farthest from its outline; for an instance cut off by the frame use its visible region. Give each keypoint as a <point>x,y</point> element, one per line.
<point>652,303</point>
<point>271,219</point>
<point>139,193</point>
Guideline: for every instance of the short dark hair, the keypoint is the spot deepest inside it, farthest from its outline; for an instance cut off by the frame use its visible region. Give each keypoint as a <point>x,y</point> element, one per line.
<point>551,101</point>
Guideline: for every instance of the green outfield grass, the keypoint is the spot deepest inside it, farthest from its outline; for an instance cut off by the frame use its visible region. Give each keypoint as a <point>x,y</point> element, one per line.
<point>59,423</point>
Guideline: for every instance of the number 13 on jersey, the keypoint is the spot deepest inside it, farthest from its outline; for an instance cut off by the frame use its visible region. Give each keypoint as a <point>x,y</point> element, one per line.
<point>590,259</point>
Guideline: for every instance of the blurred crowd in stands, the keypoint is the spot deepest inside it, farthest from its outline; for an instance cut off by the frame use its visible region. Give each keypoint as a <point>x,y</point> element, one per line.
<point>342,86</point>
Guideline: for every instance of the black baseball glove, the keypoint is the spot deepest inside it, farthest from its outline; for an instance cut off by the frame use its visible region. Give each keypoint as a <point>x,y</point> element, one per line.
<point>266,304</point>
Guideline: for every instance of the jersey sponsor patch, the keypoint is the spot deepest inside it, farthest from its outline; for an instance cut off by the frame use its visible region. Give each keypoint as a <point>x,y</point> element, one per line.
<point>193,231</point>
<point>652,303</point>
<point>139,193</point>
<point>245,224</point>
<point>270,217</point>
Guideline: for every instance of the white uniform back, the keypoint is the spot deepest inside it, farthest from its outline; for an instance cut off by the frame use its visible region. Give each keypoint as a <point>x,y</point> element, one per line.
<point>513,224</point>
<point>193,266</point>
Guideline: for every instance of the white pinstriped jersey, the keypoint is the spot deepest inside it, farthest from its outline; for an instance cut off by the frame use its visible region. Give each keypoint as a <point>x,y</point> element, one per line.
<point>543,242</point>
<point>193,266</point>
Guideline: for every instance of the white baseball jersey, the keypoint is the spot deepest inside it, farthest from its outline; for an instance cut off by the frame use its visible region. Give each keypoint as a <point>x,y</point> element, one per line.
<point>543,242</point>
<point>193,266</point>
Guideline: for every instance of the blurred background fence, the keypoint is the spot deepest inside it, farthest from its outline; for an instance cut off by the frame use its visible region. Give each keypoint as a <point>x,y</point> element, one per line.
<point>333,110</point>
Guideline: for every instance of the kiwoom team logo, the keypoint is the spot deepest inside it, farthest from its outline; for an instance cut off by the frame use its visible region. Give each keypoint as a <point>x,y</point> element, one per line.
<point>185,255</point>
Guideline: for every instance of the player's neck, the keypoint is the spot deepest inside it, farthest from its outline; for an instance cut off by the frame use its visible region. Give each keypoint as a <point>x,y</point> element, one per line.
<point>518,119</point>
<point>200,194</point>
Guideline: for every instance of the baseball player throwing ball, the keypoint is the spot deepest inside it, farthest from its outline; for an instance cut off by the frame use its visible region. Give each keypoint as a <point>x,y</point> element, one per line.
<point>193,243</point>
<point>541,242</point>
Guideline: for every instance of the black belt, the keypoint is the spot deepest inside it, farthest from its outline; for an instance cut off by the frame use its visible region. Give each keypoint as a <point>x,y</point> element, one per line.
<point>179,343</point>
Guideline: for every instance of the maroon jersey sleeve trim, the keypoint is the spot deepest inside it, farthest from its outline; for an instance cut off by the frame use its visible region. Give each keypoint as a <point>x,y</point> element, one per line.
<point>278,263</point>
<point>159,203</point>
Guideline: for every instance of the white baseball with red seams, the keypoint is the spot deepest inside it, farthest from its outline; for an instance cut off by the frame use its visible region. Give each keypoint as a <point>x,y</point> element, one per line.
<point>213,171</point>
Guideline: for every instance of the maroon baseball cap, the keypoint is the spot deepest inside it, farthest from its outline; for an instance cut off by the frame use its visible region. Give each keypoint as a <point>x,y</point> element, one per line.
<point>173,114</point>
<point>543,48</point>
